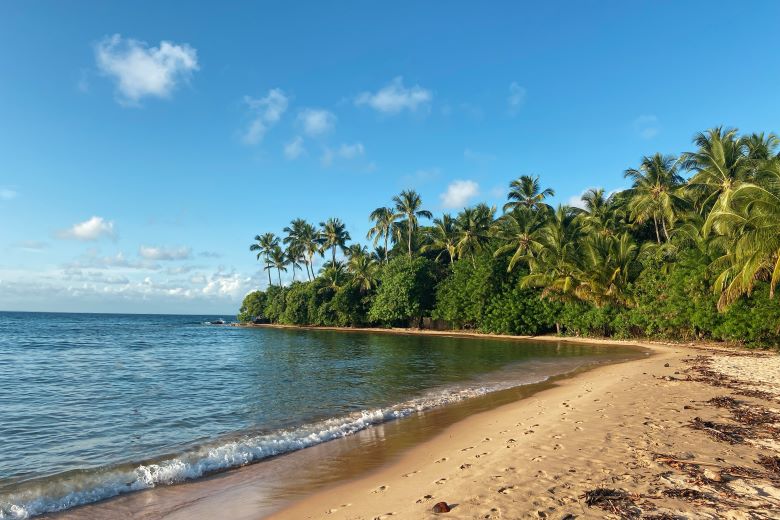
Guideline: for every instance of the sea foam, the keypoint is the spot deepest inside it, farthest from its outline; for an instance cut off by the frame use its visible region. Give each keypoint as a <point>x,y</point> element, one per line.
<point>62,492</point>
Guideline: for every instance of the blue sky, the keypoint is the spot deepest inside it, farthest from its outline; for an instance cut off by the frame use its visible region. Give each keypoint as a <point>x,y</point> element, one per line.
<point>143,145</point>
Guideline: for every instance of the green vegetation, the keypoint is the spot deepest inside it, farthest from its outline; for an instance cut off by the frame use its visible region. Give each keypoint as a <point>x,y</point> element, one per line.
<point>668,258</point>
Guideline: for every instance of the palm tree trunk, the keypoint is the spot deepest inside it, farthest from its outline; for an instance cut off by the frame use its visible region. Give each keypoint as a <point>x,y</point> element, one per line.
<point>279,272</point>
<point>409,232</point>
<point>293,266</point>
<point>386,234</point>
<point>269,271</point>
<point>334,256</point>
<point>666,233</point>
<point>308,275</point>
<point>657,235</point>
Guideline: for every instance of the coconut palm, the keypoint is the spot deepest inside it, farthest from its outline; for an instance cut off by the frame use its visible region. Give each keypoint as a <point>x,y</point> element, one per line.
<point>443,237</point>
<point>299,234</point>
<point>526,191</point>
<point>719,164</point>
<point>363,269</point>
<point>383,219</point>
<point>264,244</point>
<point>473,229</point>
<point>599,214</point>
<point>277,259</point>
<point>656,192</point>
<point>295,258</point>
<point>334,236</point>
<point>607,266</point>
<point>407,205</point>
<point>751,221</point>
<point>520,231</point>
<point>356,250</point>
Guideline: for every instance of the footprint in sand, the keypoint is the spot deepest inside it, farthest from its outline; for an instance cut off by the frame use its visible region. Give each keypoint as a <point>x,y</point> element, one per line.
<point>424,499</point>
<point>443,459</point>
<point>538,458</point>
<point>494,513</point>
<point>478,455</point>
<point>441,481</point>
<point>467,449</point>
<point>506,490</point>
<point>382,517</point>
<point>380,489</point>
<point>558,447</point>
<point>465,466</point>
<point>407,475</point>
<point>558,436</point>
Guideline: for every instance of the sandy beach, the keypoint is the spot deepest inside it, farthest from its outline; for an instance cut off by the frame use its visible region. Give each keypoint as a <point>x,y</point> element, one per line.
<point>648,431</point>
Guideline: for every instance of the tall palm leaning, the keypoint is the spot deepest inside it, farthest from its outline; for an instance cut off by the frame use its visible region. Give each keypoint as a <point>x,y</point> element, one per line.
<point>656,192</point>
<point>407,205</point>
<point>264,244</point>
<point>383,219</point>
<point>298,235</point>
<point>527,191</point>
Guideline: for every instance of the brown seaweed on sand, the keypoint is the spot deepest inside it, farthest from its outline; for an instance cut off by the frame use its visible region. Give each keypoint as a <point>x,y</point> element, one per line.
<point>616,501</point>
<point>720,431</point>
<point>685,494</point>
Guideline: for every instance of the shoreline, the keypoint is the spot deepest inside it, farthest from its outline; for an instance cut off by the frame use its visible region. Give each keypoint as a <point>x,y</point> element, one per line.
<point>492,466</point>
<point>606,428</point>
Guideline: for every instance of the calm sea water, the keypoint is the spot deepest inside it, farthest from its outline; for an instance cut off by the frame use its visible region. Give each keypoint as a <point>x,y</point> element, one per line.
<point>95,405</point>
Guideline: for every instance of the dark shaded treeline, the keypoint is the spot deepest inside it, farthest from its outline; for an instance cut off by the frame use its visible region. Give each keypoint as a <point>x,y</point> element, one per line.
<point>691,250</point>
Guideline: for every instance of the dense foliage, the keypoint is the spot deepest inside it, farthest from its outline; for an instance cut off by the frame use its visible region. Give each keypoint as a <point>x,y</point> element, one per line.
<point>690,251</point>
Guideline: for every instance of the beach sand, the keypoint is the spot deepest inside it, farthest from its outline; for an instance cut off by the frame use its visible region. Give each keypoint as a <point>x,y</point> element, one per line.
<point>627,427</point>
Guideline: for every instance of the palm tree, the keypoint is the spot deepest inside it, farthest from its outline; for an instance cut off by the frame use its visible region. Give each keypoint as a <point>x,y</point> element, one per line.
<point>473,225</point>
<point>751,221</point>
<point>599,215</point>
<point>363,269</point>
<point>330,275</point>
<point>356,250</point>
<point>407,205</point>
<point>301,235</point>
<point>264,244</point>
<point>443,237</point>
<point>719,165</point>
<point>521,231</point>
<point>295,256</point>
<point>278,260</point>
<point>334,236</point>
<point>608,265</point>
<point>526,191</point>
<point>555,266</point>
<point>656,192</point>
<point>383,219</point>
<point>379,254</point>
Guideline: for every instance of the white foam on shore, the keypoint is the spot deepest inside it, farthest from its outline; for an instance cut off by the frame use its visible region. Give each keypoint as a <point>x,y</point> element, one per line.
<point>78,488</point>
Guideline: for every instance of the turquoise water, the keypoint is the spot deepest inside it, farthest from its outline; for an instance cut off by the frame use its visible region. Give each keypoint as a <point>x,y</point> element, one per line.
<point>92,406</point>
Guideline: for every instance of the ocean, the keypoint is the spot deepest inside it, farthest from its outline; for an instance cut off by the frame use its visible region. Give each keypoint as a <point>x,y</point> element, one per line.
<point>97,405</point>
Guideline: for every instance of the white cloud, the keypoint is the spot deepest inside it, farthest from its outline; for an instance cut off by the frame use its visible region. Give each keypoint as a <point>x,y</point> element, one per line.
<point>345,151</point>
<point>350,151</point>
<point>226,284</point>
<point>294,148</point>
<point>33,246</point>
<point>266,112</point>
<point>7,194</point>
<point>164,253</point>
<point>394,97</point>
<point>317,121</point>
<point>647,126</point>
<point>93,229</point>
<point>140,71</point>
<point>516,97</point>
<point>458,194</point>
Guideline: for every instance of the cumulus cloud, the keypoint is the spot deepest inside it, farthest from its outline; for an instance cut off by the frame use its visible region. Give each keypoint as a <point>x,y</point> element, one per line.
<point>317,121</point>
<point>516,97</point>
<point>266,112</point>
<point>395,97</point>
<point>458,194</point>
<point>90,230</point>
<point>7,194</point>
<point>647,126</point>
<point>164,253</point>
<point>142,71</point>
<point>294,148</point>
<point>345,151</point>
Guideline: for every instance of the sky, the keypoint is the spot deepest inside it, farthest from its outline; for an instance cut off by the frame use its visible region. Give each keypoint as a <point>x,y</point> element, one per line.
<point>143,145</point>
